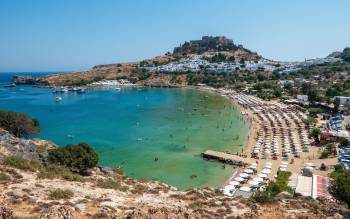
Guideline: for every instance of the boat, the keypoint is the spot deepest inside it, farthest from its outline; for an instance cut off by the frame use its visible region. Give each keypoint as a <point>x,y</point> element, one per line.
<point>118,88</point>
<point>58,99</point>
<point>10,85</point>
<point>81,90</point>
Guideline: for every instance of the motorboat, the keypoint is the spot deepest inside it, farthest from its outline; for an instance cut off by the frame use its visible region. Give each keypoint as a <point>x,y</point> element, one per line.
<point>10,85</point>
<point>58,99</point>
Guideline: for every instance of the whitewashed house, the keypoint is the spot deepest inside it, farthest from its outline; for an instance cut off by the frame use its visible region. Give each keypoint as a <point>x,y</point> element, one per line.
<point>343,100</point>
<point>302,98</point>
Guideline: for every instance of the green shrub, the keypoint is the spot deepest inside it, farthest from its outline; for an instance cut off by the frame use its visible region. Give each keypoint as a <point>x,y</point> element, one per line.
<point>110,184</point>
<point>13,173</point>
<point>18,124</point>
<point>343,142</point>
<point>61,194</point>
<point>339,186</point>
<point>263,197</point>
<point>22,163</point>
<point>330,149</point>
<point>76,157</point>
<point>314,111</point>
<point>273,188</point>
<point>59,172</point>
<point>4,177</point>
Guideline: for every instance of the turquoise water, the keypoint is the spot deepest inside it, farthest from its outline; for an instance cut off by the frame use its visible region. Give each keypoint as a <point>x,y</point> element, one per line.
<point>132,127</point>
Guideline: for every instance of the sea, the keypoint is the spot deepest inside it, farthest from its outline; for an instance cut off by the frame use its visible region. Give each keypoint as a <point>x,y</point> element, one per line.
<point>151,133</point>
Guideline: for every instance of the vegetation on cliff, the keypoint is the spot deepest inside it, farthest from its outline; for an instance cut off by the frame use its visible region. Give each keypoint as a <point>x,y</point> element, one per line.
<point>340,184</point>
<point>273,188</point>
<point>18,124</point>
<point>78,157</point>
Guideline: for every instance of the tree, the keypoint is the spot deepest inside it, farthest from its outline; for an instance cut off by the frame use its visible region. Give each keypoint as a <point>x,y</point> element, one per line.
<point>77,157</point>
<point>314,111</point>
<point>18,124</point>
<point>336,103</point>
<point>344,142</point>
<point>339,186</point>
<point>315,134</point>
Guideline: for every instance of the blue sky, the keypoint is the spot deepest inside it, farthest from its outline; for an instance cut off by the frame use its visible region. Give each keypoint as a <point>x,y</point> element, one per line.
<point>64,35</point>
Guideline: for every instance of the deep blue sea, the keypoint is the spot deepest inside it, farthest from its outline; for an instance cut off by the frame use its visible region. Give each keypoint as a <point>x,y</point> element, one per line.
<point>132,127</point>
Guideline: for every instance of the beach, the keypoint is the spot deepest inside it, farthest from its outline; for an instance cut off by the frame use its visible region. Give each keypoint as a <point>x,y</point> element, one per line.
<point>277,141</point>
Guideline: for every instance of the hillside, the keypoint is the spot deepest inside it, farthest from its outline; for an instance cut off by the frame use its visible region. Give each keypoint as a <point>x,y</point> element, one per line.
<point>30,188</point>
<point>213,50</point>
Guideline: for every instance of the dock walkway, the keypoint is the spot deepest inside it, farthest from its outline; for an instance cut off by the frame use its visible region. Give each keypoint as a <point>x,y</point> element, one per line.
<point>228,158</point>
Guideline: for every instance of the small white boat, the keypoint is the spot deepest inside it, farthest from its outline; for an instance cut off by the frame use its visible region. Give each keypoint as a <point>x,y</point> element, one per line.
<point>58,99</point>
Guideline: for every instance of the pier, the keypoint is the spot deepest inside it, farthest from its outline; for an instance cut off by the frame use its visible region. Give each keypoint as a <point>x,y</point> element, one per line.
<point>227,158</point>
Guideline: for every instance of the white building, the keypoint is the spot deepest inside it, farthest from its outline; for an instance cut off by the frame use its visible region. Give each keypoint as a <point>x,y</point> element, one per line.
<point>343,100</point>
<point>302,98</point>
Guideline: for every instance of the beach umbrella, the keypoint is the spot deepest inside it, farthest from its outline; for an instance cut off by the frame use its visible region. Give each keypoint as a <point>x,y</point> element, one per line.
<point>266,171</point>
<point>262,175</point>
<point>239,179</point>
<point>267,167</point>
<point>252,167</point>
<point>283,165</point>
<point>258,179</point>
<point>248,171</point>
<point>234,183</point>
<point>254,183</point>
<point>230,187</point>
<point>245,189</point>
<point>244,175</point>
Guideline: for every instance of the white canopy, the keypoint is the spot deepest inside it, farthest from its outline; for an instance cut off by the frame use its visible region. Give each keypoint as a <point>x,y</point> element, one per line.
<point>252,167</point>
<point>262,175</point>
<point>267,167</point>
<point>245,189</point>
<point>258,179</point>
<point>248,171</point>
<point>234,183</point>
<point>239,179</point>
<point>266,171</point>
<point>283,166</point>
<point>244,175</point>
<point>254,183</point>
<point>229,187</point>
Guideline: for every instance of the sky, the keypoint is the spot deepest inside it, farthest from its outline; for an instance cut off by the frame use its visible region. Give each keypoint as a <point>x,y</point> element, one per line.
<point>73,35</point>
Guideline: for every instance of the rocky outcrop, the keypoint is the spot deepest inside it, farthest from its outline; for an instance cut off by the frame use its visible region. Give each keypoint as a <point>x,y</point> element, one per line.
<point>154,213</point>
<point>5,212</point>
<point>59,212</point>
<point>27,148</point>
<point>21,80</point>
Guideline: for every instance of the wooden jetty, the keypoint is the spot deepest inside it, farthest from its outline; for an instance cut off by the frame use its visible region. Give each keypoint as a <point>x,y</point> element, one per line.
<point>227,158</point>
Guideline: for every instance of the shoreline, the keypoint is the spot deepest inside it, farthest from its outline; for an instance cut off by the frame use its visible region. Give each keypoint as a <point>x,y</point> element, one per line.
<point>249,121</point>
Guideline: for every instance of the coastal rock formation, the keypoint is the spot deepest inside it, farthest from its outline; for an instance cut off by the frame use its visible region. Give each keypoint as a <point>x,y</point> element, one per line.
<point>5,211</point>
<point>27,148</point>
